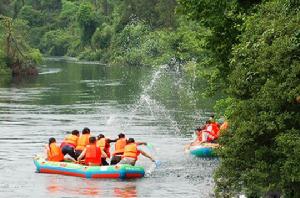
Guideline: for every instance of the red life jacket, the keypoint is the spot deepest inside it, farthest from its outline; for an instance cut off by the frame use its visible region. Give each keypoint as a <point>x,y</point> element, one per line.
<point>131,151</point>
<point>54,153</point>
<point>105,145</point>
<point>93,154</point>
<point>119,146</point>
<point>214,131</point>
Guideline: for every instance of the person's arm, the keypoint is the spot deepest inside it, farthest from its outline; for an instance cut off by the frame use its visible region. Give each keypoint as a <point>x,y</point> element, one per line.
<point>81,155</point>
<point>141,143</point>
<point>103,154</point>
<point>110,141</point>
<point>147,155</point>
<point>70,158</point>
<point>47,149</point>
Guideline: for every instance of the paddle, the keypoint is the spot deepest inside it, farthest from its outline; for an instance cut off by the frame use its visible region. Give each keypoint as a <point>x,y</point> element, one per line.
<point>155,164</point>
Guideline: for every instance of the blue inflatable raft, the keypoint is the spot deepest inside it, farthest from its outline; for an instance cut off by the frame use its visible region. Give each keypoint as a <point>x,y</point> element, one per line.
<point>205,150</point>
<point>78,170</point>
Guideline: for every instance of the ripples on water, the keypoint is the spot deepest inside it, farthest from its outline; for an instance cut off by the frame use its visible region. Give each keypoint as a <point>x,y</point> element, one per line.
<point>63,99</point>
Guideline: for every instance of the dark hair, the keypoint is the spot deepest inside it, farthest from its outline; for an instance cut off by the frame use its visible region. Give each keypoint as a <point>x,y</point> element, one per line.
<point>121,135</point>
<point>75,132</point>
<point>130,140</point>
<point>86,131</point>
<point>92,140</point>
<point>100,136</point>
<point>51,140</point>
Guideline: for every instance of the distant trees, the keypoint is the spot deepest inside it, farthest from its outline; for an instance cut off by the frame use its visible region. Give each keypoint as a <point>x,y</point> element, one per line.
<point>88,22</point>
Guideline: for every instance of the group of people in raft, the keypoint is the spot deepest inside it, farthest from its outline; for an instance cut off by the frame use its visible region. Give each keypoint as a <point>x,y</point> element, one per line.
<point>209,132</point>
<point>93,151</point>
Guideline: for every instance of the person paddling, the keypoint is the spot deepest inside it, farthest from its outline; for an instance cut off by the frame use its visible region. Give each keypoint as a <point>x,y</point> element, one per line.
<point>92,154</point>
<point>119,149</point>
<point>131,153</point>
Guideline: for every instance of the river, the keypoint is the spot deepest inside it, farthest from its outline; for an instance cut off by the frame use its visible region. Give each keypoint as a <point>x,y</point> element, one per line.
<point>157,105</point>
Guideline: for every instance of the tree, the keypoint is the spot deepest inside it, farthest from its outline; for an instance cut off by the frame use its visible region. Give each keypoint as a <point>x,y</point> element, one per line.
<point>18,53</point>
<point>223,19</point>
<point>87,21</point>
<point>261,151</point>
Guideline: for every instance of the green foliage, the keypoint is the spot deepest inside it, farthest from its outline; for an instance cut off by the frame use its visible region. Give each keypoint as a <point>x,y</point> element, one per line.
<point>261,150</point>
<point>17,53</point>
<point>34,17</point>
<point>90,54</point>
<point>4,69</point>
<point>127,44</point>
<point>223,18</point>
<point>56,42</point>
<point>68,13</point>
<point>35,55</point>
<point>87,21</point>
<point>102,37</point>
<point>51,5</point>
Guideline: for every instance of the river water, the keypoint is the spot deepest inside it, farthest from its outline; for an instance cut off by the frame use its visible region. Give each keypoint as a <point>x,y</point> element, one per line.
<point>156,105</point>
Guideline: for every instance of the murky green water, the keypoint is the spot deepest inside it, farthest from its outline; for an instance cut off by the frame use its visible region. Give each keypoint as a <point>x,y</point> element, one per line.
<point>156,105</point>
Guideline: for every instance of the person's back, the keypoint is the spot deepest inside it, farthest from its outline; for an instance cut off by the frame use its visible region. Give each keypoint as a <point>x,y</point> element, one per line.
<point>70,140</point>
<point>215,130</point>
<point>54,152</point>
<point>69,144</point>
<point>105,145</point>
<point>82,141</point>
<point>92,153</point>
<point>131,153</point>
<point>119,146</point>
<point>119,149</point>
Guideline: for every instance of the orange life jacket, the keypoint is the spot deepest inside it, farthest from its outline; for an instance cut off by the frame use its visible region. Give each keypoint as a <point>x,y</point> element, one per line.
<point>82,141</point>
<point>105,145</point>
<point>54,153</point>
<point>224,126</point>
<point>70,140</point>
<point>131,151</point>
<point>93,154</point>
<point>119,146</point>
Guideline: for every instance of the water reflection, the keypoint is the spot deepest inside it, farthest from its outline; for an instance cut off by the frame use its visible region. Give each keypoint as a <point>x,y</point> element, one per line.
<point>91,188</point>
<point>126,191</point>
<point>87,188</point>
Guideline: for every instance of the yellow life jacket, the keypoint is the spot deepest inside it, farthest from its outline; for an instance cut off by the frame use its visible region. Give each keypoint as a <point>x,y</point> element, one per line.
<point>82,141</point>
<point>131,151</point>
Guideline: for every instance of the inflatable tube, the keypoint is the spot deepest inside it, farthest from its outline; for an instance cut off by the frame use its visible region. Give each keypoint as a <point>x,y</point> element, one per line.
<point>203,151</point>
<point>78,170</point>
